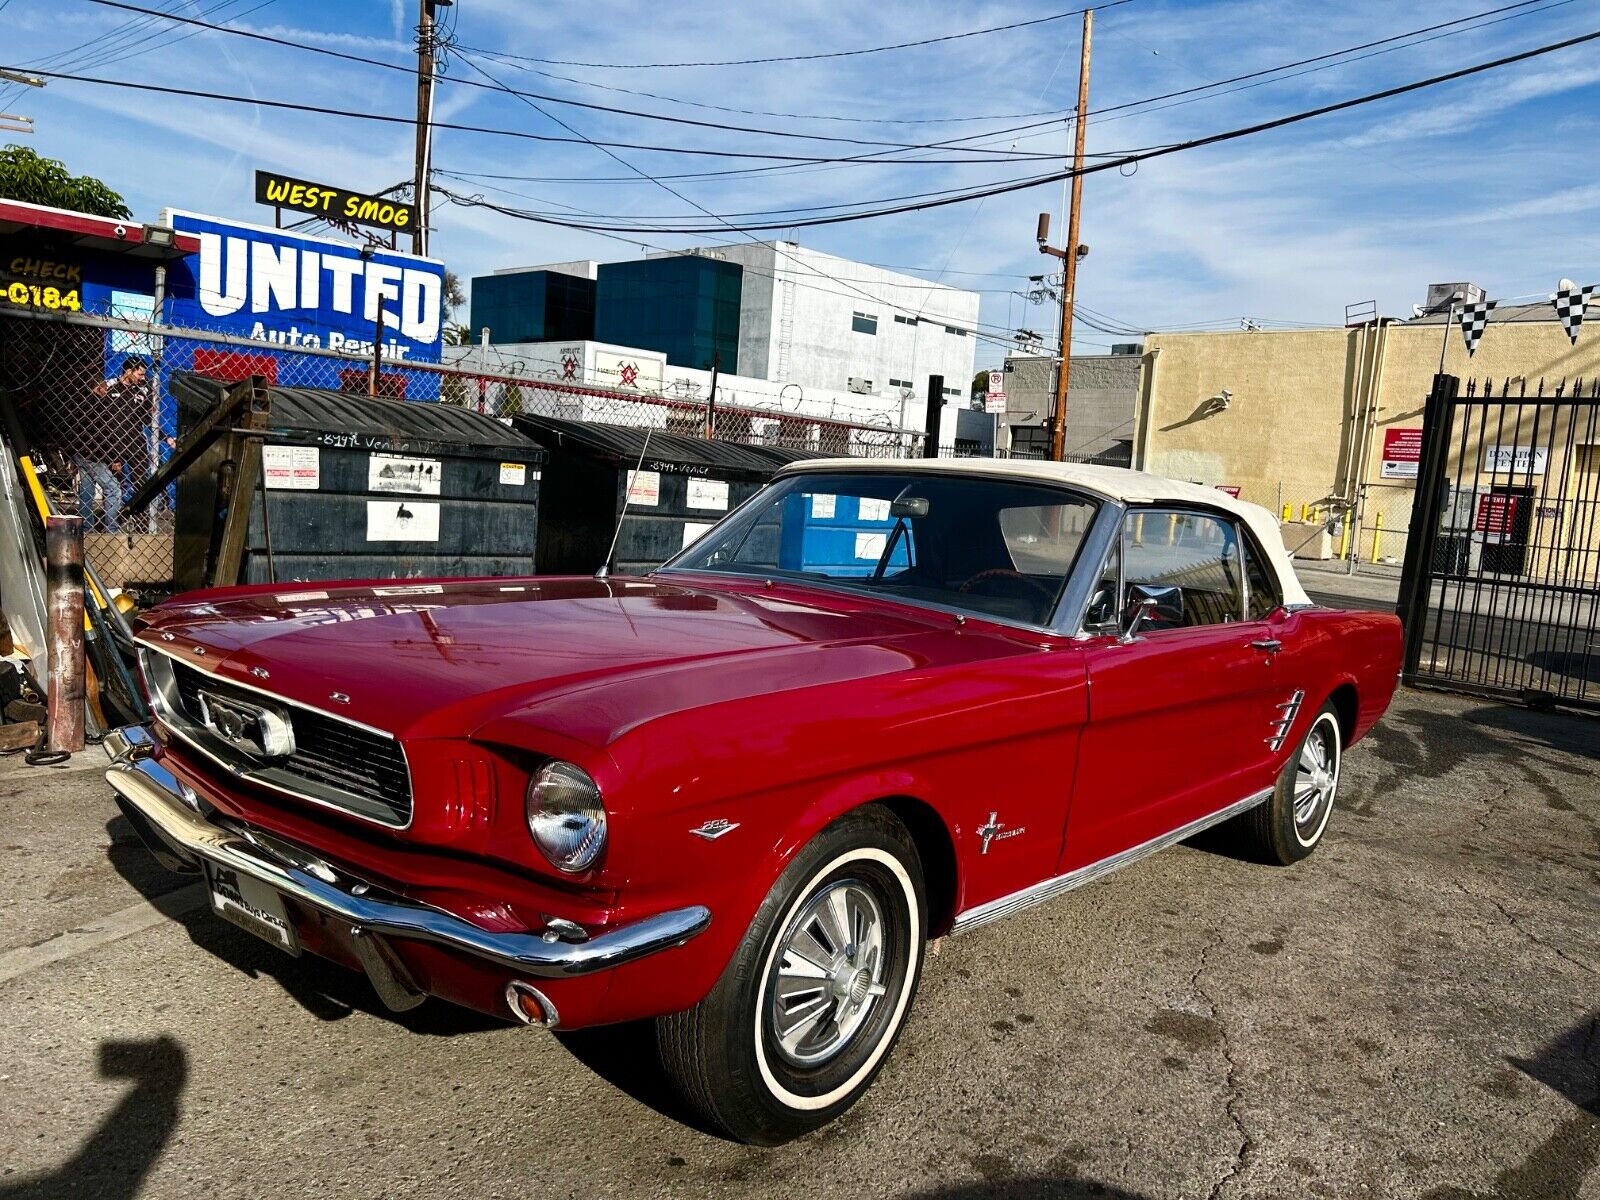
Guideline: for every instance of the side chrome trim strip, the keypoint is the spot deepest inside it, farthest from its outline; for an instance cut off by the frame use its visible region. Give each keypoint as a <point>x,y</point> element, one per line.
<point>1049,889</point>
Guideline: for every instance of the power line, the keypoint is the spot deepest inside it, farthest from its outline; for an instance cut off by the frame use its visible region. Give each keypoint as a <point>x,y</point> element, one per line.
<point>1191,144</point>
<point>512,61</point>
<point>501,87</point>
<point>522,134</point>
<point>784,58</point>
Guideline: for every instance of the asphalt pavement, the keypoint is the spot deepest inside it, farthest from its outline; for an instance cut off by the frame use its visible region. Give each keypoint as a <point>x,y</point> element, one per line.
<point>1414,1011</point>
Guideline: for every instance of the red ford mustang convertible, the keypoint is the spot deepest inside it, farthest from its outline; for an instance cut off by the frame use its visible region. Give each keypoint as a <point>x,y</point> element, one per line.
<point>879,703</point>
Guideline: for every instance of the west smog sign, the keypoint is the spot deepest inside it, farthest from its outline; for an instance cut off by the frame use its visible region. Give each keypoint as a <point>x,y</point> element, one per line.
<point>336,204</point>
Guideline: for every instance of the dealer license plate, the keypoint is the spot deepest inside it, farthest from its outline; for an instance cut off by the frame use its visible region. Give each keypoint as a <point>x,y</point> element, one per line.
<point>251,905</point>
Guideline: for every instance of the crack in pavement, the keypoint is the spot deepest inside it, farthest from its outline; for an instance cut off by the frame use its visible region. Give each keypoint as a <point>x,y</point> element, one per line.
<point>1247,1143</point>
<point>1515,923</point>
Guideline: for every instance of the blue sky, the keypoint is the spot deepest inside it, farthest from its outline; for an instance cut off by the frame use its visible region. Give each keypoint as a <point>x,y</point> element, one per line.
<point>1485,179</point>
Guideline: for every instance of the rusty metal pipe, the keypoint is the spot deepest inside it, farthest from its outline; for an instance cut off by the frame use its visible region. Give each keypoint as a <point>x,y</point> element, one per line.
<point>63,545</point>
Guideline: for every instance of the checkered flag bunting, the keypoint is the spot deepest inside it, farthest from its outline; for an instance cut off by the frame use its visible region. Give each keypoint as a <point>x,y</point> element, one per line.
<point>1570,301</point>
<point>1473,318</point>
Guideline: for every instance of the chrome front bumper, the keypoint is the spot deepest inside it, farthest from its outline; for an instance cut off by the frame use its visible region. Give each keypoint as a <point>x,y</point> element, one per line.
<point>172,826</point>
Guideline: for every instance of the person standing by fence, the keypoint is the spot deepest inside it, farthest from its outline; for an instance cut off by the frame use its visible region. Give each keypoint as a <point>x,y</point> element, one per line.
<point>109,441</point>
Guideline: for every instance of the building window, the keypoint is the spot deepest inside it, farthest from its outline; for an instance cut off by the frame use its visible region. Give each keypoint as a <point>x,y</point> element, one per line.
<point>863,322</point>
<point>903,383</point>
<point>952,391</point>
<point>954,330</point>
<point>900,319</point>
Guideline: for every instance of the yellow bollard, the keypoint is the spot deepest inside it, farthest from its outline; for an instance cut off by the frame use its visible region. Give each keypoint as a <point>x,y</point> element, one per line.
<point>1305,514</point>
<point>1377,535</point>
<point>1344,540</point>
<point>1288,511</point>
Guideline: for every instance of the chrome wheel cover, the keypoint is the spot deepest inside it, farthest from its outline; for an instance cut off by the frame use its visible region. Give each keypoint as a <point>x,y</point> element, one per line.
<point>830,973</point>
<point>1316,778</point>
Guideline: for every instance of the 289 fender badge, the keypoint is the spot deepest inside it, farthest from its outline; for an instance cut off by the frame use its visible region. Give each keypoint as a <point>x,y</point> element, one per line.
<point>714,829</point>
<point>990,831</point>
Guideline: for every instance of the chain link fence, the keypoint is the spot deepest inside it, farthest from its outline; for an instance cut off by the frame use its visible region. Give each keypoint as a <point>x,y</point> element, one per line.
<point>93,397</point>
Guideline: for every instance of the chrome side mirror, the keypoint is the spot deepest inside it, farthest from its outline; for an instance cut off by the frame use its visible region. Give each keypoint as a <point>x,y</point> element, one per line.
<point>1149,601</point>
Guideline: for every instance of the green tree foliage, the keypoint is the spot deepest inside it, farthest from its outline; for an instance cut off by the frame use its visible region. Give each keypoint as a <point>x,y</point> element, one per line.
<point>453,390</point>
<point>454,297</point>
<point>510,400</point>
<point>26,176</point>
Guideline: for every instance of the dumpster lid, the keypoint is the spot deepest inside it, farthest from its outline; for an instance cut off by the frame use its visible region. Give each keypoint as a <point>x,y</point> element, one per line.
<point>627,444</point>
<point>327,410</point>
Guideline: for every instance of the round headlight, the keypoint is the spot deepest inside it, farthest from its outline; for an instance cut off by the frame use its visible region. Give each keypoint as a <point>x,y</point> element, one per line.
<point>566,816</point>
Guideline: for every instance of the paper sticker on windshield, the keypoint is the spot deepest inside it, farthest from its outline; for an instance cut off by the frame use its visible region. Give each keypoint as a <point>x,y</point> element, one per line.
<point>644,487</point>
<point>874,510</point>
<point>693,531</point>
<point>822,506</point>
<point>291,468</point>
<point>402,521</point>
<point>870,545</point>
<point>708,493</point>
<point>395,473</point>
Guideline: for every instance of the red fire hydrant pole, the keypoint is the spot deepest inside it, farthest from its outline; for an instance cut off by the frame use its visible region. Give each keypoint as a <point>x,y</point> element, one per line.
<point>63,543</point>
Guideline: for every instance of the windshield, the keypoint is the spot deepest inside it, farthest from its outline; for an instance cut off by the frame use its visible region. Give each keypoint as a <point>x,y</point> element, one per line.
<point>985,546</point>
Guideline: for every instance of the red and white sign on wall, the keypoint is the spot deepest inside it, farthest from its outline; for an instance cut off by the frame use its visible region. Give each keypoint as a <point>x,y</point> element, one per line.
<point>1497,514</point>
<point>1402,451</point>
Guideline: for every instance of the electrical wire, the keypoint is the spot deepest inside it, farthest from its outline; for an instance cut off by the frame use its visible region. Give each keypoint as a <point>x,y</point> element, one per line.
<point>501,87</point>
<point>512,60</point>
<point>522,134</point>
<point>785,58</point>
<point>1191,144</point>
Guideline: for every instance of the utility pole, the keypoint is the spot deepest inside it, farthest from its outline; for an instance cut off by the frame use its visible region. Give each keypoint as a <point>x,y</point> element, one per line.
<point>425,71</point>
<point>12,122</point>
<point>1074,249</point>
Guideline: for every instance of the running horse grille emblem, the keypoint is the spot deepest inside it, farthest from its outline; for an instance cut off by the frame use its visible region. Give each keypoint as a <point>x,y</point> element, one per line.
<point>1281,725</point>
<point>258,730</point>
<point>990,831</point>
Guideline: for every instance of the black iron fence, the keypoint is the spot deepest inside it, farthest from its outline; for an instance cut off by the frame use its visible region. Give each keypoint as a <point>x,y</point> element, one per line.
<point>1501,591</point>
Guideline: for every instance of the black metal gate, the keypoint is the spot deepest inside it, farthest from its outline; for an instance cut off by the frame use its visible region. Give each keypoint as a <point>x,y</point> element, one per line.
<point>1501,590</point>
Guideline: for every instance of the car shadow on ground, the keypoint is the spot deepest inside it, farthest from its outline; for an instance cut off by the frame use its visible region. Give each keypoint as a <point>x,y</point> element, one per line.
<point>324,989</point>
<point>1030,1187</point>
<point>626,1057</point>
<point>115,1159</point>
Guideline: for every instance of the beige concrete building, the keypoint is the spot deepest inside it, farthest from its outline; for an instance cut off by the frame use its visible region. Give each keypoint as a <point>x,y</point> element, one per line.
<point>1302,420</point>
<point>1102,392</point>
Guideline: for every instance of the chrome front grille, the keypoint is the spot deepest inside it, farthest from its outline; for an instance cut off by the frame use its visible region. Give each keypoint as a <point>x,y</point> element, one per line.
<point>334,762</point>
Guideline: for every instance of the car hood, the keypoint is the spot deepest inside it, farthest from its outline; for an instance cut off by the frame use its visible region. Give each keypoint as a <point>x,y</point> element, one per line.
<point>439,658</point>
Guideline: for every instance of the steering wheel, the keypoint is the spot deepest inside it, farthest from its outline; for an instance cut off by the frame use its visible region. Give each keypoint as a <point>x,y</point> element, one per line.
<point>996,572</point>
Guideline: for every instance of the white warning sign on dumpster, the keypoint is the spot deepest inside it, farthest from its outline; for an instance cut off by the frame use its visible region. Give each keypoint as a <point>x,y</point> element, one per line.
<point>402,521</point>
<point>708,493</point>
<point>291,468</point>
<point>644,487</point>
<point>397,473</point>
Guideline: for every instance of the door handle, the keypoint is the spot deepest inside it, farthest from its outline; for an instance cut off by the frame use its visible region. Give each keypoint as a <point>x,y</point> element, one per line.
<point>1270,645</point>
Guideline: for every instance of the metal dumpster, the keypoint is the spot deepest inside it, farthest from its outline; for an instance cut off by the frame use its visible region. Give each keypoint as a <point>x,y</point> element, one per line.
<point>675,488</point>
<point>281,483</point>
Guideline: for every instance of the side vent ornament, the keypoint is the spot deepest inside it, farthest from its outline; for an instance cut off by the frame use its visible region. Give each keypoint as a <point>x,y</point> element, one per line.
<point>1281,725</point>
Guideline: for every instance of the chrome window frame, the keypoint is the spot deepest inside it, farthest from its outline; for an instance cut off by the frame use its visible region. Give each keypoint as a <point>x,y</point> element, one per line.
<point>162,691</point>
<point>1066,603</point>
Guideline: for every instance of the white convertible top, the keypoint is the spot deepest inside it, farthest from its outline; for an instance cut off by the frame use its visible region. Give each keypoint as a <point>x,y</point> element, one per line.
<point>1114,483</point>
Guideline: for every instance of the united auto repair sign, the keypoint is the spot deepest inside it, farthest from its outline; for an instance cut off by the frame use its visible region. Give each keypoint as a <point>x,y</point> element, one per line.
<point>335,204</point>
<point>293,291</point>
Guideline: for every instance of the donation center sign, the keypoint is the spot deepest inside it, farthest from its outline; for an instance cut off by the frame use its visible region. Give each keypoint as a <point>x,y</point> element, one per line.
<point>293,291</point>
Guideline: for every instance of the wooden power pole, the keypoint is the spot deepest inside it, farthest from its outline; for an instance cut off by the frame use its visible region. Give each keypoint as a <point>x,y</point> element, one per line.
<point>424,171</point>
<point>1073,251</point>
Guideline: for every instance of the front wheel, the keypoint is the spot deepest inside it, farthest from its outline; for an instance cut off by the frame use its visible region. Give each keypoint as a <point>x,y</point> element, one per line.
<point>1287,827</point>
<point>817,992</point>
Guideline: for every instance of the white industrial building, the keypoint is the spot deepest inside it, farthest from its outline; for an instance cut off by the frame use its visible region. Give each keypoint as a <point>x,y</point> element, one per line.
<point>817,320</point>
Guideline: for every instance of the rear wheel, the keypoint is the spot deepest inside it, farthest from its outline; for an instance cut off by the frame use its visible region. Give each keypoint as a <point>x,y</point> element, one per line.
<point>817,992</point>
<point>1287,827</point>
